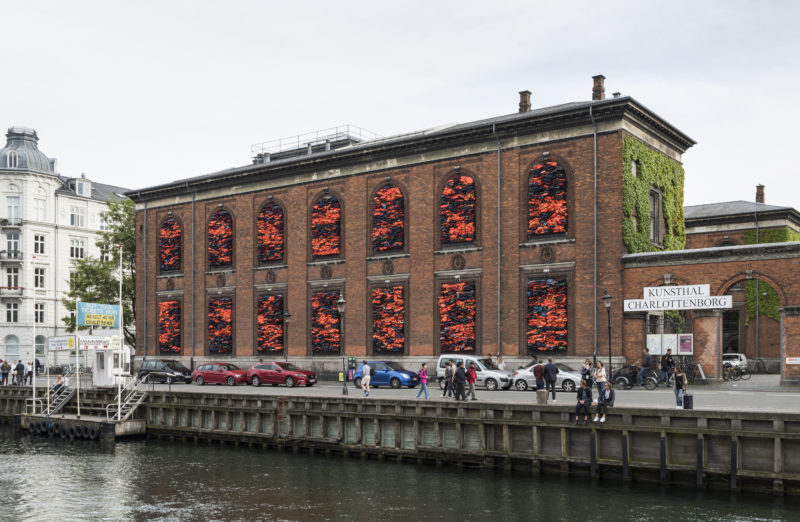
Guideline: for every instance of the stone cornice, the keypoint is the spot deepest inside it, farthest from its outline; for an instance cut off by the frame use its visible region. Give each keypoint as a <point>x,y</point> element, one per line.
<point>712,255</point>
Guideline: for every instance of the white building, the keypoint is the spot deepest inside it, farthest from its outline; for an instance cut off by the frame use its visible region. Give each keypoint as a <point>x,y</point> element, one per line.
<point>47,222</point>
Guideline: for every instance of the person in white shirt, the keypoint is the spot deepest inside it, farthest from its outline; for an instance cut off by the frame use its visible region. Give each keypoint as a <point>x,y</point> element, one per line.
<point>28,373</point>
<point>365,377</point>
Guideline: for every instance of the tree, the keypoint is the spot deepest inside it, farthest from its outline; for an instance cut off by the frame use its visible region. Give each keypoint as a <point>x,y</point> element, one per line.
<point>96,280</point>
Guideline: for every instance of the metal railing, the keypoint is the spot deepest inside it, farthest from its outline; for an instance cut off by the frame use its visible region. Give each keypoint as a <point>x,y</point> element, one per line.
<point>340,133</point>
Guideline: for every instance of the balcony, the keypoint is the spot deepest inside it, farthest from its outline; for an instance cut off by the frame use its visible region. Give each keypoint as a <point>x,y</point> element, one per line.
<point>10,292</point>
<point>10,223</point>
<point>11,256</point>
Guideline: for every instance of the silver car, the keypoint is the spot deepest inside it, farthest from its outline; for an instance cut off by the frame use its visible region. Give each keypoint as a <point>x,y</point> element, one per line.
<point>488,374</point>
<point>567,378</point>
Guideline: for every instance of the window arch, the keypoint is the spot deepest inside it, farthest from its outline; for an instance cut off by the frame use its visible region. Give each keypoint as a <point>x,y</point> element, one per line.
<point>326,227</point>
<point>220,239</point>
<point>12,160</point>
<point>457,317</point>
<point>388,219</point>
<point>457,210</point>
<point>270,323</point>
<point>547,199</point>
<point>12,345</point>
<point>547,315</point>
<point>169,327</point>
<point>169,245</point>
<point>270,232</point>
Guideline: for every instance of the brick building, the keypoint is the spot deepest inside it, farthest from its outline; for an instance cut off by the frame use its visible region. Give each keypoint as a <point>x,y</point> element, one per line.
<point>495,236</point>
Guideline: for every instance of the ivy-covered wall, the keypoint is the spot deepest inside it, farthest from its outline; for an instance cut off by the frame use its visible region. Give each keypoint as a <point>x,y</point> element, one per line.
<point>768,302</point>
<point>653,169</point>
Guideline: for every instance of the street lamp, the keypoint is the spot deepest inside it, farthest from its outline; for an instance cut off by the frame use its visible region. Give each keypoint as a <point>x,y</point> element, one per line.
<point>607,301</point>
<point>340,304</point>
<point>286,317</point>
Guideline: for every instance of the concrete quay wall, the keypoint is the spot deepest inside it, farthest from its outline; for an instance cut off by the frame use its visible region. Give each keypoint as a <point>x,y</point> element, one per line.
<point>753,451</point>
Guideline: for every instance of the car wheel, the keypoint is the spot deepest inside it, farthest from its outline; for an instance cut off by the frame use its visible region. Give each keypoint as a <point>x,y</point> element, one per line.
<point>491,384</point>
<point>289,382</point>
<point>395,383</point>
<point>568,385</point>
<point>521,385</point>
<point>199,381</point>
<point>621,382</point>
<point>231,381</point>
<point>357,382</point>
<point>256,382</point>
<point>169,380</point>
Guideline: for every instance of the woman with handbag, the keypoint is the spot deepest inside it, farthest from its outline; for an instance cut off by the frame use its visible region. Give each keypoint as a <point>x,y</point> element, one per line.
<point>680,386</point>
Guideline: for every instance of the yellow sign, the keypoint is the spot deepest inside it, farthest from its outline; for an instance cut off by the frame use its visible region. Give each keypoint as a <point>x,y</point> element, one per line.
<point>71,342</point>
<point>100,320</point>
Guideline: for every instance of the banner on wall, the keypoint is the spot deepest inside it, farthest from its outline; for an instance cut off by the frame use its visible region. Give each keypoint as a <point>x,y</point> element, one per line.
<point>687,297</point>
<point>61,343</point>
<point>100,315</point>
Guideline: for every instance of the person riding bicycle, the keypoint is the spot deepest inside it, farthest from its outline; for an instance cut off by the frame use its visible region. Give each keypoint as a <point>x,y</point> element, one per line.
<point>667,364</point>
<point>646,361</point>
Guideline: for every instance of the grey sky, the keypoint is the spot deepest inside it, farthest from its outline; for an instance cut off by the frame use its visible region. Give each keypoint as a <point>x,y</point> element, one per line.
<point>142,93</point>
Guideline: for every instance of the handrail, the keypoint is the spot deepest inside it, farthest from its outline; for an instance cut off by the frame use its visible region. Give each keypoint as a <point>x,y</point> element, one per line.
<point>34,402</point>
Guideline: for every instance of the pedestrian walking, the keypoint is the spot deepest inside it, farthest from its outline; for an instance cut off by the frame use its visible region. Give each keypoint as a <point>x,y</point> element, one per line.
<point>680,386</point>
<point>646,361</point>
<point>366,374</point>
<point>28,374</point>
<point>550,376</point>
<point>459,379</point>
<point>471,378</point>
<point>665,368</point>
<point>604,401</point>
<point>584,401</point>
<point>449,391</point>
<point>423,380</point>
<point>538,375</point>
<point>600,377</point>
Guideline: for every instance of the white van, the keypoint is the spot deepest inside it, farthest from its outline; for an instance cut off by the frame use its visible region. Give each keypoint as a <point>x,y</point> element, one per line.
<point>488,374</point>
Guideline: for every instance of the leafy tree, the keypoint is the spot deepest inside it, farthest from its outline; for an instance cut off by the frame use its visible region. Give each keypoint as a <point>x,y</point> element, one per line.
<point>96,280</point>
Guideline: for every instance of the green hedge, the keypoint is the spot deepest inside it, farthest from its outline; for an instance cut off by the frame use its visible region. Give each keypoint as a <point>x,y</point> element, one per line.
<point>653,170</point>
<point>767,304</point>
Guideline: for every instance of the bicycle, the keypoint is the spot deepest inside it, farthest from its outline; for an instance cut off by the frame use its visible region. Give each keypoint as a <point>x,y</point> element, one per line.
<point>730,373</point>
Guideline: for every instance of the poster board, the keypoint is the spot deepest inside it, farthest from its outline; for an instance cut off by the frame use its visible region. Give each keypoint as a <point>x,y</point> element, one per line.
<point>670,342</point>
<point>654,344</point>
<point>685,344</point>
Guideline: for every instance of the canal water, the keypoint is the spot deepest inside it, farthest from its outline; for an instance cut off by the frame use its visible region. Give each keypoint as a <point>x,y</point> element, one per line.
<point>60,480</point>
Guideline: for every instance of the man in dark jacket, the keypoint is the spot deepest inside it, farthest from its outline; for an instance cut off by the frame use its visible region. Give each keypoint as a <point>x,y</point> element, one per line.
<point>550,376</point>
<point>448,379</point>
<point>460,380</point>
<point>20,373</point>
<point>666,368</point>
<point>646,361</point>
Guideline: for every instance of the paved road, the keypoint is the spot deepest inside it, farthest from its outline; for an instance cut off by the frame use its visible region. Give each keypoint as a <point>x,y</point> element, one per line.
<point>761,393</point>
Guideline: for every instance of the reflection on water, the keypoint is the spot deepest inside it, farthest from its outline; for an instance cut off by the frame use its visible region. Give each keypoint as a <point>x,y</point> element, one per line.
<point>147,480</point>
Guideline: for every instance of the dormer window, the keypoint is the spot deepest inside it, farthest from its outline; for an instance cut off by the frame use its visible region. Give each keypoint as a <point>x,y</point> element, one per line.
<point>12,160</point>
<point>83,188</point>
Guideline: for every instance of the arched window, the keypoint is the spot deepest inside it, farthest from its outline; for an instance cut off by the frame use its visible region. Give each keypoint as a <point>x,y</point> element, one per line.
<point>12,160</point>
<point>326,237</point>
<point>457,210</point>
<point>270,234</point>
<point>547,199</point>
<point>388,217</point>
<point>270,323</point>
<point>547,315</point>
<point>169,245</point>
<point>388,319</point>
<point>326,326</point>
<point>169,327</point>
<point>220,239</point>
<point>12,345</point>
<point>40,342</point>
<point>457,317</point>
<point>220,325</point>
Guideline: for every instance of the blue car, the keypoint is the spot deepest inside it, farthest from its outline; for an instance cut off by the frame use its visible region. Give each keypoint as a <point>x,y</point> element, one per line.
<point>386,373</point>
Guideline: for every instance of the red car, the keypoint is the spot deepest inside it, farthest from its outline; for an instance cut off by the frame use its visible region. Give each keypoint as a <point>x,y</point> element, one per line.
<point>276,373</point>
<point>219,373</point>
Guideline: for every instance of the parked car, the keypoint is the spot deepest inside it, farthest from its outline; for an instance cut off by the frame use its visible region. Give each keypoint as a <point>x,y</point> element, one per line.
<point>164,370</point>
<point>276,373</point>
<point>488,374</point>
<point>386,373</point>
<point>735,359</point>
<point>567,378</point>
<point>219,373</point>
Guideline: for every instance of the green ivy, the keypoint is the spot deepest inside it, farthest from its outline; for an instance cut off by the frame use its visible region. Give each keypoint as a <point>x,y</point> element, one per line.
<point>677,319</point>
<point>653,169</point>
<point>767,304</point>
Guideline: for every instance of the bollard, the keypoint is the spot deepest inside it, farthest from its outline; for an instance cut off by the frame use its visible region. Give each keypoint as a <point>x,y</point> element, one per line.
<point>541,396</point>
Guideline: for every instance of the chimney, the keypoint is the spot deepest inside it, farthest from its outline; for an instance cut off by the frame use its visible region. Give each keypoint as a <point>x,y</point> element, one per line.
<point>759,193</point>
<point>598,89</point>
<point>524,101</point>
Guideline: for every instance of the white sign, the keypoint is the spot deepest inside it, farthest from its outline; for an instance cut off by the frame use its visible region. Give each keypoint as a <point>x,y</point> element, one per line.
<point>654,344</point>
<point>793,360</point>
<point>651,292</point>
<point>57,344</point>
<point>115,344</point>
<point>678,303</point>
<point>93,343</point>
